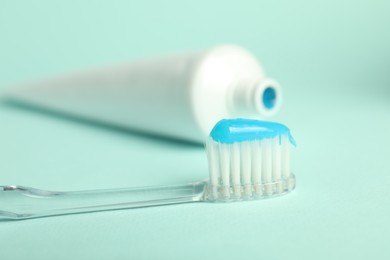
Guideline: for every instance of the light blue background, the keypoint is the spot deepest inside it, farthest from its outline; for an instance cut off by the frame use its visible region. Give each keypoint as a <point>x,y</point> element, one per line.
<point>331,57</point>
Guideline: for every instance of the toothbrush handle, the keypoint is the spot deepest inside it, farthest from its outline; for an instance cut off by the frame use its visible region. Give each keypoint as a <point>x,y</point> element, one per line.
<point>18,202</point>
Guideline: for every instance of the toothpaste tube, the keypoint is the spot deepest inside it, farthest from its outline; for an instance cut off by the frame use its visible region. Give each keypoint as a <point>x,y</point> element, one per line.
<point>180,96</point>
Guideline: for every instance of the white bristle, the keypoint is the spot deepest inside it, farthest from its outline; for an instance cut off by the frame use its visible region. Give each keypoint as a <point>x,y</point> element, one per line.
<point>249,169</point>
<point>224,153</point>
<point>256,166</point>
<point>277,164</point>
<point>266,148</point>
<point>246,167</point>
<point>236,169</point>
<point>286,157</point>
<point>286,171</point>
<point>214,169</point>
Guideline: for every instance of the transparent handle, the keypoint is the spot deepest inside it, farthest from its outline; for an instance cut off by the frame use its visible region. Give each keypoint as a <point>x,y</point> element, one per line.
<point>18,202</point>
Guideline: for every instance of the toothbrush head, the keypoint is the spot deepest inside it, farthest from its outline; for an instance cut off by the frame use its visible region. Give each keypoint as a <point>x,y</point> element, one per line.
<point>248,159</point>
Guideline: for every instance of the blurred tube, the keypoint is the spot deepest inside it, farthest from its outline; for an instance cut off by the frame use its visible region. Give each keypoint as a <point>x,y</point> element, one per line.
<point>180,96</point>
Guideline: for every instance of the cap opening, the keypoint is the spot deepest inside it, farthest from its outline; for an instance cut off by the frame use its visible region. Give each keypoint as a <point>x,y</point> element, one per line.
<point>269,98</point>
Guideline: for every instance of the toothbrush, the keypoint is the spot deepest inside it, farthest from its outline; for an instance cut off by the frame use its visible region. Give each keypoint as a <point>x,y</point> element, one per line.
<point>248,159</point>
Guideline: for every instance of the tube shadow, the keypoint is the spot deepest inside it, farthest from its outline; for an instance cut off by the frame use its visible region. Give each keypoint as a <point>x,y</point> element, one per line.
<point>14,103</point>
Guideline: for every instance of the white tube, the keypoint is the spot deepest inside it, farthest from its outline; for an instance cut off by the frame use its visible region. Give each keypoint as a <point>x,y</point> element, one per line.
<point>180,96</point>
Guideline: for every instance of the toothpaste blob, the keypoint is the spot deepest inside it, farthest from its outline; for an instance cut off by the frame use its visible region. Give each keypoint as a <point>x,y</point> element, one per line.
<point>229,131</point>
<point>180,96</point>
<point>249,159</point>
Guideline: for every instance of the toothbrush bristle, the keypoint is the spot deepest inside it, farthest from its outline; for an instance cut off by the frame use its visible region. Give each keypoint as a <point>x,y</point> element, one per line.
<point>249,169</point>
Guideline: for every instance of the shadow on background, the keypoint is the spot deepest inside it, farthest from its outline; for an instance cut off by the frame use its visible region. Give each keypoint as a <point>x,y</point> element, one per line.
<point>97,124</point>
<point>387,77</point>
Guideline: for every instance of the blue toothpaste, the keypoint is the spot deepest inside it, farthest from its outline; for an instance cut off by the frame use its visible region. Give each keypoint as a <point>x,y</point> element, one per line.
<point>230,131</point>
